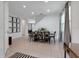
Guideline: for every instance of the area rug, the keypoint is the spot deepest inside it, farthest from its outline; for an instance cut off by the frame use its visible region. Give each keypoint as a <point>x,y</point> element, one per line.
<point>21,55</point>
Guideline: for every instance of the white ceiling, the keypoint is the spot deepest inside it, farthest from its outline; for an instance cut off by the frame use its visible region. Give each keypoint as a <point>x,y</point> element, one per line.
<point>16,8</point>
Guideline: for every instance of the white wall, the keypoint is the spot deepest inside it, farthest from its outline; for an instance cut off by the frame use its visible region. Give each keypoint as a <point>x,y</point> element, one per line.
<point>75,21</point>
<point>24,27</point>
<point>16,35</point>
<point>4,18</point>
<point>51,23</point>
<point>3,28</point>
<point>6,13</point>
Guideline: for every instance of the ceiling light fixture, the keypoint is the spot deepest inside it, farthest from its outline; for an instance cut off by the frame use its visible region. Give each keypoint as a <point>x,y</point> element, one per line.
<point>24,6</point>
<point>48,10</point>
<point>32,13</point>
<point>46,1</point>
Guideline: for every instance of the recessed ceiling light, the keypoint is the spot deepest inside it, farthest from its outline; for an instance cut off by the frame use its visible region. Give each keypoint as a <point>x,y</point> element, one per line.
<point>46,1</point>
<point>32,13</point>
<point>24,6</point>
<point>48,10</point>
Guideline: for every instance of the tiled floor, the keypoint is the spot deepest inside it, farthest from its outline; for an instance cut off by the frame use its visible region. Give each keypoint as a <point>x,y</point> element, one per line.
<point>37,49</point>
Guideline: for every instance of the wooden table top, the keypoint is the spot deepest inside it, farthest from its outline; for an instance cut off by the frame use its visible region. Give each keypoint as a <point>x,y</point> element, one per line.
<point>75,48</point>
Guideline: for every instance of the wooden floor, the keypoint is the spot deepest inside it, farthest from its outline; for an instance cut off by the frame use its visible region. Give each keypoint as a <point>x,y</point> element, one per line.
<point>37,49</point>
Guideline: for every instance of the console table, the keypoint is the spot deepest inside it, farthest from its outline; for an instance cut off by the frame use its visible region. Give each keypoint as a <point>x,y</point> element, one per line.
<point>72,51</point>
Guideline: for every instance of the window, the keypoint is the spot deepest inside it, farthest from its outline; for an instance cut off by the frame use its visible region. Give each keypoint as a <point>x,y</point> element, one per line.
<point>14,24</point>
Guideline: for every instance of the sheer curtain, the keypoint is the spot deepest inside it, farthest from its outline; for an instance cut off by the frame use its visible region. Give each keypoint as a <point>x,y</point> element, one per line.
<point>67,25</point>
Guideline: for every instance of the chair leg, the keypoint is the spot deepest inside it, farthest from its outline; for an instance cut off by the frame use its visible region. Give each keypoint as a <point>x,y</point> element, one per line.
<point>49,40</point>
<point>54,39</point>
<point>64,54</point>
<point>29,38</point>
